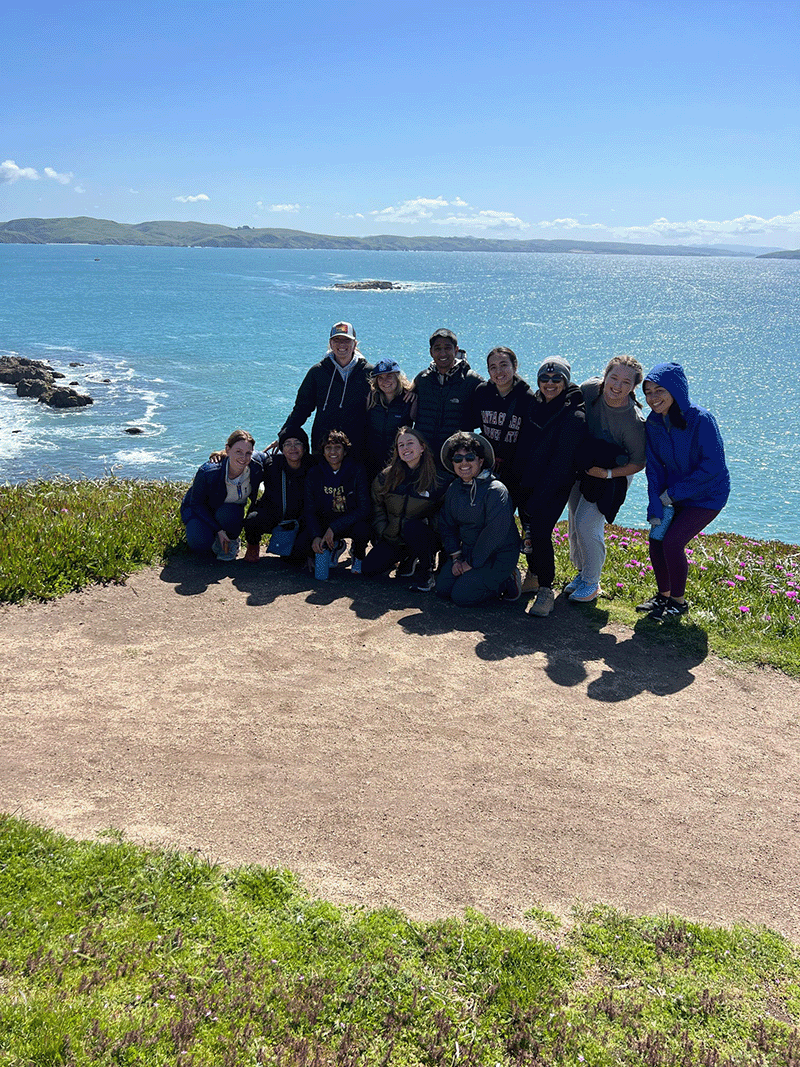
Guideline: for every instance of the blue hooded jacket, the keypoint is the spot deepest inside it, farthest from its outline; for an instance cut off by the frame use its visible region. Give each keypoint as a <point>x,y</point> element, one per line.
<point>689,464</point>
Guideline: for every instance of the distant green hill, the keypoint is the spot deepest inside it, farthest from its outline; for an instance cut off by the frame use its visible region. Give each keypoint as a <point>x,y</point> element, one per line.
<point>782,254</point>
<point>84,230</point>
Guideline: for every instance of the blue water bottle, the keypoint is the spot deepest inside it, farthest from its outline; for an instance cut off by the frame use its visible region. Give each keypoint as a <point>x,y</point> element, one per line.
<point>657,532</point>
<point>322,565</point>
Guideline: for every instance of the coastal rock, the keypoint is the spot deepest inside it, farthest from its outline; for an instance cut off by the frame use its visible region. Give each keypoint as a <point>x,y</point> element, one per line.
<point>369,284</point>
<point>133,429</point>
<point>33,377</point>
<point>63,397</point>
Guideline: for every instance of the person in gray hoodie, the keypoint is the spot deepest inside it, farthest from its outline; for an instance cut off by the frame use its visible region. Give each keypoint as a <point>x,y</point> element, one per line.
<point>476,525</point>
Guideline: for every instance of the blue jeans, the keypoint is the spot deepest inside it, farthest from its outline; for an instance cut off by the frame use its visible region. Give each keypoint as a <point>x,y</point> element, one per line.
<point>200,536</point>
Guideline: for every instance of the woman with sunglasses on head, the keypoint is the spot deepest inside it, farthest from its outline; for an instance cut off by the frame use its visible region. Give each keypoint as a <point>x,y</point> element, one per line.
<point>476,525</point>
<point>546,468</point>
<point>614,451</point>
<point>687,479</point>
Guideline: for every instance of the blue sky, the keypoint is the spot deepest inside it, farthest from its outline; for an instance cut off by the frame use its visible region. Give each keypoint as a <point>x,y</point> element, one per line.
<point>630,120</point>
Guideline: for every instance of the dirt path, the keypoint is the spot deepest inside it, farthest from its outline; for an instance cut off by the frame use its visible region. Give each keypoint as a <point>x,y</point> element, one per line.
<point>392,749</point>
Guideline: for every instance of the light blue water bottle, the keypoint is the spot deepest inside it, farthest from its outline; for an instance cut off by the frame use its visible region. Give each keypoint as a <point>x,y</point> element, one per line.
<point>657,532</point>
<point>322,565</point>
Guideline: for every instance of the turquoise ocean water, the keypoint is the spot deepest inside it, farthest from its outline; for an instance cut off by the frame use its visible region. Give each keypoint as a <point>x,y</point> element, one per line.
<point>190,343</point>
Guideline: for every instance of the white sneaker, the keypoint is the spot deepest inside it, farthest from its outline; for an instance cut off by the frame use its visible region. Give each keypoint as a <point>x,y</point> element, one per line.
<point>544,602</point>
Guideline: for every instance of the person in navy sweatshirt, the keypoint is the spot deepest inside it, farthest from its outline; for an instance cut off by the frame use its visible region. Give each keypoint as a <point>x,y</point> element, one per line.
<point>686,471</point>
<point>337,503</point>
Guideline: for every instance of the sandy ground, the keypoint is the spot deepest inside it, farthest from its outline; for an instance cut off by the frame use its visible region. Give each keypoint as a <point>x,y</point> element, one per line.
<point>393,749</point>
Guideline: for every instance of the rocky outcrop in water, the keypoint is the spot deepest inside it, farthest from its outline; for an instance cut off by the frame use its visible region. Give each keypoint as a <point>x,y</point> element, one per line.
<point>370,284</point>
<point>35,378</point>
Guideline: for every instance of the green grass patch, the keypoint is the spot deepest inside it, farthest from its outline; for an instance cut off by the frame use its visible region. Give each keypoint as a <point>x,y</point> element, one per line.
<point>115,954</point>
<point>62,535</point>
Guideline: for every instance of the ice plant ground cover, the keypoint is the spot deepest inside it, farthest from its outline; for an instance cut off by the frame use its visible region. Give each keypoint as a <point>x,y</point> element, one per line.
<point>56,536</point>
<point>116,954</point>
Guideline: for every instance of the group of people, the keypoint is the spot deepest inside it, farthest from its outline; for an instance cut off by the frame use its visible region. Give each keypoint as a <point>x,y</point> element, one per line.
<point>426,476</point>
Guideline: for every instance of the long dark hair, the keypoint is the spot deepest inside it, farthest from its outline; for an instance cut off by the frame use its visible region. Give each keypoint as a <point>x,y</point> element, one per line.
<point>397,470</point>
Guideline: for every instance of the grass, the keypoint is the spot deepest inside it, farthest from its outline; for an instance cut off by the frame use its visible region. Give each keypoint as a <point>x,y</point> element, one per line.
<point>57,536</point>
<point>116,954</point>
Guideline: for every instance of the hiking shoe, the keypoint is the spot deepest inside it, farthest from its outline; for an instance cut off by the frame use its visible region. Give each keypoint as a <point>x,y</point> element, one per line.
<point>424,584</point>
<point>252,554</point>
<point>336,553</point>
<point>670,609</point>
<point>531,583</point>
<point>544,602</point>
<point>655,601</point>
<point>355,566</point>
<point>408,568</point>
<point>570,587</point>
<point>585,592</point>
<point>511,589</point>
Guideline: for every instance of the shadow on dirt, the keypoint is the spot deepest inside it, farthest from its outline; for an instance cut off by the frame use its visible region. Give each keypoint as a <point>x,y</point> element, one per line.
<point>644,659</point>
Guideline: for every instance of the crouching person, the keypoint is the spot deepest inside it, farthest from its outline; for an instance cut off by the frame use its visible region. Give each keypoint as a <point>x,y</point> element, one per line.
<point>283,498</point>
<point>213,509</point>
<point>337,501</point>
<point>476,525</point>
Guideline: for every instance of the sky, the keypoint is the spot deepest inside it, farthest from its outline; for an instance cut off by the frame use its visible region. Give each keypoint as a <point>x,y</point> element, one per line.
<point>608,120</point>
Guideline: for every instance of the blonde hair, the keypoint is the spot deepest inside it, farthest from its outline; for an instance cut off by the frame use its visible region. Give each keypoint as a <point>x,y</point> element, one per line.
<point>626,361</point>
<point>377,395</point>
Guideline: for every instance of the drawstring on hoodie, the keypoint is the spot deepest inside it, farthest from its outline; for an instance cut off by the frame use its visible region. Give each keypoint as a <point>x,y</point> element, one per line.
<point>346,378</point>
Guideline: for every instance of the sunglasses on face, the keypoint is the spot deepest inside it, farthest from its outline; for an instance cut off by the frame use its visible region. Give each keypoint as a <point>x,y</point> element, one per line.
<point>550,378</point>
<point>465,457</point>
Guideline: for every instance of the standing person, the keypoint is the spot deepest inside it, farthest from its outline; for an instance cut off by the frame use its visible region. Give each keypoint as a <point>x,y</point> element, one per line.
<point>337,501</point>
<point>213,508</point>
<point>477,526</point>
<point>445,393</point>
<point>336,388</point>
<point>615,451</point>
<point>405,499</point>
<point>687,477</point>
<point>283,497</point>
<point>387,410</point>
<point>545,466</point>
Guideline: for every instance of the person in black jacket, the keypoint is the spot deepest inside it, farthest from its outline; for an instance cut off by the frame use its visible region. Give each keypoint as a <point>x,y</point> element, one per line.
<point>283,497</point>
<point>545,465</point>
<point>390,405</point>
<point>336,388</point>
<point>445,393</point>
<point>337,503</point>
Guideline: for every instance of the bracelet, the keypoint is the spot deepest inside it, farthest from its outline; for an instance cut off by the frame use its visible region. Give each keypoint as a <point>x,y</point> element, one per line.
<point>609,473</point>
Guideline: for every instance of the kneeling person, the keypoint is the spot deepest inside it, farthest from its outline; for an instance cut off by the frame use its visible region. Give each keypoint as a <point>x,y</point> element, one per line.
<point>477,527</point>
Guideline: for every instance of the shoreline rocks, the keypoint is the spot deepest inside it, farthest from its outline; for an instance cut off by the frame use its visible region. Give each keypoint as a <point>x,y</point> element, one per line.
<point>369,284</point>
<point>34,378</point>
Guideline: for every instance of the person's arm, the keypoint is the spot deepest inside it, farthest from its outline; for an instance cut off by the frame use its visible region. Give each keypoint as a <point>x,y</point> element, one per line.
<point>313,525</point>
<point>709,463</point>
<point>656,482</point>
<point>497,521</point>
<point>358,491</point>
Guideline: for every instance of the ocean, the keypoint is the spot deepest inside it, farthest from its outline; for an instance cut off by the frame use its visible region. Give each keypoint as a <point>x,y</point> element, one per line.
<point>187,344</point>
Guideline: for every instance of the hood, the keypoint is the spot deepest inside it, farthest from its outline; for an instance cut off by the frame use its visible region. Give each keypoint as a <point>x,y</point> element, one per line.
<point>672,377</point>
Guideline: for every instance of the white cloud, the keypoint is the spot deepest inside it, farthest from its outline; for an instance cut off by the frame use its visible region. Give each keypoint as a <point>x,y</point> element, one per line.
<point>431,212</point>
<point>10,172</point>
<point>190,199</point>
<point>284,207</point>
<point>694,231</point>
<point>62,179</point>
<point>79,189</point>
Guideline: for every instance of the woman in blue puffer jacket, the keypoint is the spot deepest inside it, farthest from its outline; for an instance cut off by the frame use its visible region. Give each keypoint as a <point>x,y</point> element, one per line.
<point>686,471</point>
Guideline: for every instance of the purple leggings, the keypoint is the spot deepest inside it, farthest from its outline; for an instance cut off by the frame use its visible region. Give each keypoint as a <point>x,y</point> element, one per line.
<point>670,565</point>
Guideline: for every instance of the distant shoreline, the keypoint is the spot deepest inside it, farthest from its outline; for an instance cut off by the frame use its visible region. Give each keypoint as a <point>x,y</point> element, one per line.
<point>84,230</point>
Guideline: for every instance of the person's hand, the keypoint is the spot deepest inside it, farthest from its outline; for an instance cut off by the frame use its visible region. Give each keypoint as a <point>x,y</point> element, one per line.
<point>409,395</point>
<point>461,567</point>
<point>224,541</point>
<point>317,545</point>
<point>654,522</point>
<point>665,498</point>
<point>217,457</point>
<point>329,539</point>
<point>272,446</point>
<point>597,472</point>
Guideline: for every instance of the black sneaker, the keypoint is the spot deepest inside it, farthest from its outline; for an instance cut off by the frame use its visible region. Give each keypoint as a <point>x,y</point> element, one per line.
<point>424,584</point>
<point>338,549</point>
<point>408,568</point>
<point>654,602</point>
<point>674,609</point>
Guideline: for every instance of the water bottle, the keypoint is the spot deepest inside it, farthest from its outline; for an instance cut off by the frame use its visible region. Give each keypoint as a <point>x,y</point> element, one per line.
<point>322,565</point>
<point>657,532</point>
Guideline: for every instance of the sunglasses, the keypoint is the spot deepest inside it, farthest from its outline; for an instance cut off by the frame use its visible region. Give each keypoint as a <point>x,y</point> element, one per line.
<point>551,377</point>
<point>465,457</point>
